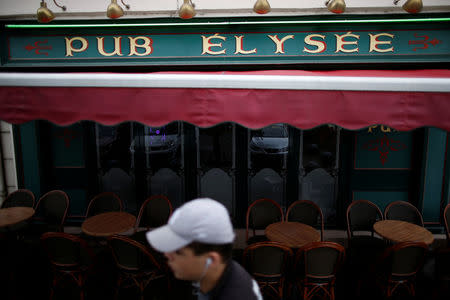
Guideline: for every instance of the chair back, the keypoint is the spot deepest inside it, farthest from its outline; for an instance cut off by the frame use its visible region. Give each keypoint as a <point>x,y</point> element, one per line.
<point>403,211</point>
<point>361,215</point>
<point>306,212</point>
<point>52,208</point>
<point>405,259</point>
<point>154,212</point>
<point>104,202</point>
<point>65,250</point>
<point>262,213</point>
<point>447,221</point>
<point>267,259</point>
<point>21,197</point>
<point>131,255</point>
<point>320,260</point>
<point>268,263</point>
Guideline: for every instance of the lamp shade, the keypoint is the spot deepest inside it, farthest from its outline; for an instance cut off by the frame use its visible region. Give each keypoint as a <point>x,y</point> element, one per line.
<point>114,10</point>
<point>413,6</point>
<point>261,7</point>
<point>43,14</point>
<point>187,10</point>
<point>336,6</point>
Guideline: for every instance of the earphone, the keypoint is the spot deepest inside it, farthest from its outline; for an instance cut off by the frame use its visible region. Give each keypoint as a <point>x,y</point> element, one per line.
<point>208,262</point>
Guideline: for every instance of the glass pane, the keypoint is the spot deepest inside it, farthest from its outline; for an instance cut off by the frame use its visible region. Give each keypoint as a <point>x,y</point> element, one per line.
<point>319,148</point>
<point>115,163</point>
<point>161,145</point>
<point>269,147</point>
<point>216,147</point>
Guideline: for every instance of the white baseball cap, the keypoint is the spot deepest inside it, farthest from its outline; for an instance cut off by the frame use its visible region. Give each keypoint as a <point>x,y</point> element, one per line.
<point>201,220</point>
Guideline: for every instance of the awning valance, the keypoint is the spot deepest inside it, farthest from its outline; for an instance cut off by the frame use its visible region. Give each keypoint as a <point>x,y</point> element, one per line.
<point>353,99</point>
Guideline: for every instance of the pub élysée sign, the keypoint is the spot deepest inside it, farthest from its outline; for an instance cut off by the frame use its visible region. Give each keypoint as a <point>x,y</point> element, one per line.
<point>289,45</point>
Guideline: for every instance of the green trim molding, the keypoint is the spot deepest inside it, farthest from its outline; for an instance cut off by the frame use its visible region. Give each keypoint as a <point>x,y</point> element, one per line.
<point>228,41</point>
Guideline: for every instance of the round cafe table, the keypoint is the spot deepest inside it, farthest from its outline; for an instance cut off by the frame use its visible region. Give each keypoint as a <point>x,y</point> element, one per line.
<point>109,223</point>
<point>401,231</point>
<point>292,234</point>
<point>12,215</point>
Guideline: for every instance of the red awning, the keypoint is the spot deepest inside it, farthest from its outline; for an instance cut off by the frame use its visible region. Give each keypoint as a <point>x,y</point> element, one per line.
<point>403,100</point>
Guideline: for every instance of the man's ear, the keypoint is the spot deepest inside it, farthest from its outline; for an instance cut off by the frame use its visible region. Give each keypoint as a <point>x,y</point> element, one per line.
<point>215,257</point>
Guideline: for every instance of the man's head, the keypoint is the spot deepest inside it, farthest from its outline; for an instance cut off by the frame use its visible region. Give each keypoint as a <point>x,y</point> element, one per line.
<point>198,234</point>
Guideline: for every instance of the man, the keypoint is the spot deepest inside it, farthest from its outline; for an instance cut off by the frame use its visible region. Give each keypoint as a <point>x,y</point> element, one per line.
<point>198,242</point>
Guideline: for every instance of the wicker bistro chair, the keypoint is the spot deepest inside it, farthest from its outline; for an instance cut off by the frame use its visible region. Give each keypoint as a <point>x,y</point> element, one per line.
<point>268,263</point>
<point>69,257</point>
<point>260,214</point>
<point>403,211</point>
<point>316,267</point>
<point>364,247</point>
<point>51,212</point>
<point>399,265</point>
<point>361,216</point>
<point>104,202</point>
<point>154,212</point>
<point>442,262</point>
<point>21,197</point>
<point>307,212</point>
<point>137,266</point>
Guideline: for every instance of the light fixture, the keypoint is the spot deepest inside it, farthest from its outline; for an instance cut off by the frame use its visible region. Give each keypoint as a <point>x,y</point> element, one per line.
<point>336,6</point>
<point>187,10</point>
<point>411,6</point>
<point>114,10</point>
<point>261,7</point>
<point>45,15</point>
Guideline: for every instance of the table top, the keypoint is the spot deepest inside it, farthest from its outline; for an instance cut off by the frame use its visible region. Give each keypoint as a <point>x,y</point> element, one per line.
<point>109,223</point>
<point>401,231</point>
<point>13,215</point>
<point>292,234</point>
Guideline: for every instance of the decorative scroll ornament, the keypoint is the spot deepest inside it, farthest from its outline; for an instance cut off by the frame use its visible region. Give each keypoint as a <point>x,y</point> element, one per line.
<point>187,10</point>
<point>261,7</point>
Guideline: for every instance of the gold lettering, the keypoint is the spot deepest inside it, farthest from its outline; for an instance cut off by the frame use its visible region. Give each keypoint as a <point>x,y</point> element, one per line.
<point>374,42</point>
<point>207,44</point>
<point>147,45</point>
<point>370,130</point>
<point>321,45</point>
<point>69,47</point>
<point>101,46</point>
<point>280,43</point>
<point>385,129</point>
<point>340,42</point>
<point>239,49</point>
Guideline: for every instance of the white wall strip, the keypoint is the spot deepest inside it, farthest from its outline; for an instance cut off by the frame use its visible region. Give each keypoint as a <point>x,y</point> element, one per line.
<point>283,82</point>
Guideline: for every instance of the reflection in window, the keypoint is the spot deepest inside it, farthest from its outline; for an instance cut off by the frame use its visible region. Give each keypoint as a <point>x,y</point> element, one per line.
<point>115,167</point>
<point>161,146</point>
<point>216,147</point>
<point>268,147</point>
<point>216,163</point>
<point>319,148</point>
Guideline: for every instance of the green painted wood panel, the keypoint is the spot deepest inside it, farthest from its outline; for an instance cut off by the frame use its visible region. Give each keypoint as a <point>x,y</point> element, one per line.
<point>431,191</point>
<point>30,158</point>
